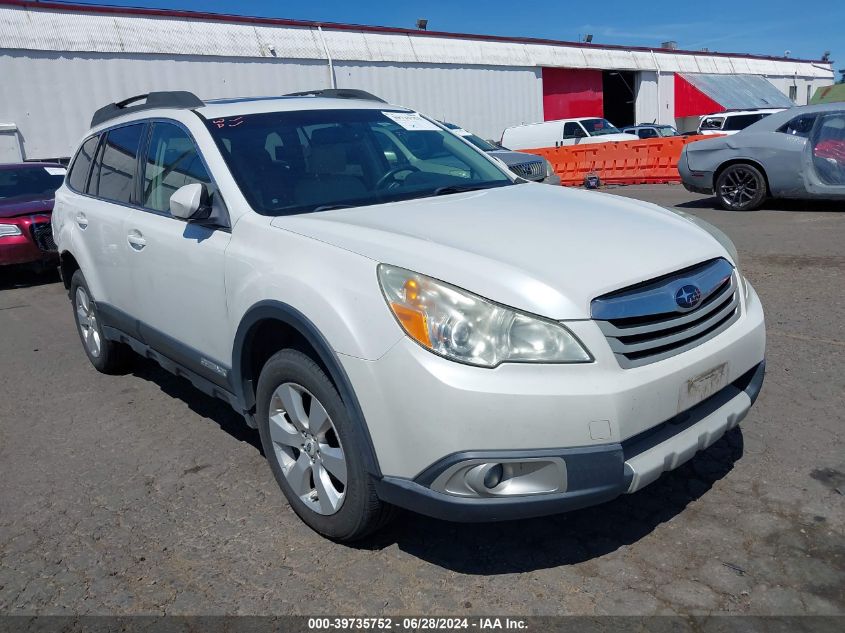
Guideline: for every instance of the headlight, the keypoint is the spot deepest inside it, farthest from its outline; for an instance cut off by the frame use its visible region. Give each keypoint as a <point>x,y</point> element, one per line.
<point>470,329</point>
<point>8,230</point>
<point>550,170</point>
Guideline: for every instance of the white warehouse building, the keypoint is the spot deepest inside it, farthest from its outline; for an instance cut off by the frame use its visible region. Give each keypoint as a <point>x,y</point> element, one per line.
<point>60,62</point>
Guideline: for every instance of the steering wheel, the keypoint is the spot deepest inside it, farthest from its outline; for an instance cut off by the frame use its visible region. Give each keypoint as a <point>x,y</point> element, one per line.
<point>389,178</point>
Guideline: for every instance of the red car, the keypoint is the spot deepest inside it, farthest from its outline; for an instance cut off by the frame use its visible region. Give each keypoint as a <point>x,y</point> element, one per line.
<point>26,204</point>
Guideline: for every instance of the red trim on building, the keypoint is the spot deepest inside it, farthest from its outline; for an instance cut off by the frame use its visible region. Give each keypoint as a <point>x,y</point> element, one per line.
<point>243,19</point>
<point>690,101</point>
<point>571,92</point>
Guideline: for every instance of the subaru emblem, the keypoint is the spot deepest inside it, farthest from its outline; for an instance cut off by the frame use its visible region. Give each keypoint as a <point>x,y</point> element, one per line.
<point>687,297</point>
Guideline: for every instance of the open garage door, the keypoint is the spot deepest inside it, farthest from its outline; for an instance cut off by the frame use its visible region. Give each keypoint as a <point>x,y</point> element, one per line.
<point>619,96</point>
<point>569,93</point>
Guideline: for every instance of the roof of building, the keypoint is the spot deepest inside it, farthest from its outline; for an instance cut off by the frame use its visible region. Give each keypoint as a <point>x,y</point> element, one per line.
<point>60,26</point>
<point>829,94</point>
<point>739,92</point>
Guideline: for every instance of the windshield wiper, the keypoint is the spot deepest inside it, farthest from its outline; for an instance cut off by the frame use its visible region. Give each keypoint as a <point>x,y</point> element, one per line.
<point>461,188</point>
<point>331,207</point>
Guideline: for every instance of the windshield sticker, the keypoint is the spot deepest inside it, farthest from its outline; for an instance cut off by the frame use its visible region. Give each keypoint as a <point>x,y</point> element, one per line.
<point>411,121</point>
<point>56,171</point>
<point>230,122</point>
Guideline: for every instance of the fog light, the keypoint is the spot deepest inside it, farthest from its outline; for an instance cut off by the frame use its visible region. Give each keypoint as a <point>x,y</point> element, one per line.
<point>494,476</point>
<point>503,477</point>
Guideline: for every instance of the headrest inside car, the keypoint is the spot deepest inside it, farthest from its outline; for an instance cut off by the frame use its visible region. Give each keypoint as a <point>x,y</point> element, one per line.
<point>333,135</point>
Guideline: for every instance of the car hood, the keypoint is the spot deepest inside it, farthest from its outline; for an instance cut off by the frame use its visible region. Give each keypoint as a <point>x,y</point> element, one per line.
<point>541,249</point>
<point>24,206</point>
<point>515,158</point>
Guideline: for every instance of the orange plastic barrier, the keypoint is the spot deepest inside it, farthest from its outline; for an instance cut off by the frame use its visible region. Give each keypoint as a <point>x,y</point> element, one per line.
<point>653,160</point>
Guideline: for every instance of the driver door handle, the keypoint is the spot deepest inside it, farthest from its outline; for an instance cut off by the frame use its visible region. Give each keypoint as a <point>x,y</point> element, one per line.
<point>136,240</point>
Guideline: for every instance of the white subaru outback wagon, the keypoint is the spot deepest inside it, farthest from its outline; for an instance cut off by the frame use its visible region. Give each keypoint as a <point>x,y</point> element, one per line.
<point>407,323</point>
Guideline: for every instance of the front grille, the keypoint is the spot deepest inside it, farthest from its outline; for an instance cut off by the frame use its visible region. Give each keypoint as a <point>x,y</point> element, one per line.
<point>42,234</point>
<point>644,323</point>
<point>534,170</point>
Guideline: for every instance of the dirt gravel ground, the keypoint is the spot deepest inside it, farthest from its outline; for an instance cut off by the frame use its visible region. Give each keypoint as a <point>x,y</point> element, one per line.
<point>136,494</point>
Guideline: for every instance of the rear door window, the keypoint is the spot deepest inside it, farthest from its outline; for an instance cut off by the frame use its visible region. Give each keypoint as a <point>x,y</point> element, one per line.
<point>77,178</point>
<point>828,147</point>
<point>573,130</point>
<point>115,167</point>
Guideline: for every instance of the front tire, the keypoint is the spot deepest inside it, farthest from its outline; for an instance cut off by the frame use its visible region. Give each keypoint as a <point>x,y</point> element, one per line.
<point>108,357</point>
<point>313,449</point>
<point>741,187</point>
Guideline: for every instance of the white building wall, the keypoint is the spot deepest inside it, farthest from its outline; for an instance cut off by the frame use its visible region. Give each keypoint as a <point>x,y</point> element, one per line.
<point>59,92</point>
<point>646,106</point>
<point>666,91</point>
<point>801,84</point>
<point>483,99</point>
<point>66,64</point>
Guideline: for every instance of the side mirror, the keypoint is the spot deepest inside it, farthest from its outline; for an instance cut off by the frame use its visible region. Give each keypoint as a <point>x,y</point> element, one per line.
<point>190,202</point>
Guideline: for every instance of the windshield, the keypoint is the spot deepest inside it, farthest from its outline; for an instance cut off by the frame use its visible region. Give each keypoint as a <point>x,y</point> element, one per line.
<point>667,130</point>
<point>30,182</point>
<point>598,127</point>
<point>314,160</point>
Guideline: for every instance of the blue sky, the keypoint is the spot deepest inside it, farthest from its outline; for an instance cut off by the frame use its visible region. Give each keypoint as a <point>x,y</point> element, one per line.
<point>765,27</point>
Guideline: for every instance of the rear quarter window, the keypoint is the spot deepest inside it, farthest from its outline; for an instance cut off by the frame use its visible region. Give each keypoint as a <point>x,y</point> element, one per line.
<point>741,121</point>
<point>77,178</point>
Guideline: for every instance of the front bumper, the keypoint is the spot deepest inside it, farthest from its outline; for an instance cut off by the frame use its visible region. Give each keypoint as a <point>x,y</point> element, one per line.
<point>594,474</point>
<point>421,409</point>
<point>554,179</point>
<point>22,249</point>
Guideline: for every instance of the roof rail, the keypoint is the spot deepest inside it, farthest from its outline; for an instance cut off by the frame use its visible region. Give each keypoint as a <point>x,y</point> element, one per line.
<point>338,93</point>
<point>174,99</point>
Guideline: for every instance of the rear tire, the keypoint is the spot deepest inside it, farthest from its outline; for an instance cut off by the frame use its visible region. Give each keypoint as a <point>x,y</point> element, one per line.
<point>741,187</point>
<point>314,450</point>
<point>108,357</point>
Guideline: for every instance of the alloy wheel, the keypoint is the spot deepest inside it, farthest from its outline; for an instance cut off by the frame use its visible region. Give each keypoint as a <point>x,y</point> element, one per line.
<point>740,187</point>
<point>308,449</point>
<point>87,320</point>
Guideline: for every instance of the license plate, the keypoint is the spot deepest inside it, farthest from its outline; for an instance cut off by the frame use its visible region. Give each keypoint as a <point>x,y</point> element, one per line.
<point>701,387</point>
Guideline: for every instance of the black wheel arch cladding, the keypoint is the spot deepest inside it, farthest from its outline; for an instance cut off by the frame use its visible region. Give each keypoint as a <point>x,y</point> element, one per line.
<point>245,384</point>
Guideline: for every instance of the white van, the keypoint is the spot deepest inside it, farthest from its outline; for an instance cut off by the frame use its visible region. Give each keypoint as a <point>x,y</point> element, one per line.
<point>563,132</point>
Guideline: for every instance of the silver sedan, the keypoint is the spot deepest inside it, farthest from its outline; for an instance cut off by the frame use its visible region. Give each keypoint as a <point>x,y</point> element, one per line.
<point>797,153</point>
